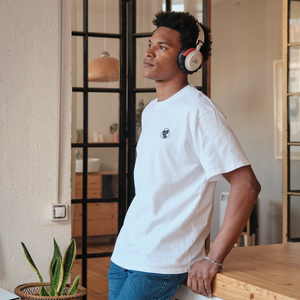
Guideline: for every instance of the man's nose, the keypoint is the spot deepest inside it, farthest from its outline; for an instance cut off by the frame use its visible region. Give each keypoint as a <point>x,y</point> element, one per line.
<point>150,52</point>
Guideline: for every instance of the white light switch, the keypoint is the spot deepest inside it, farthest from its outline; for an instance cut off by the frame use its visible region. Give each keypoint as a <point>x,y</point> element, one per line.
<point>59,212</point>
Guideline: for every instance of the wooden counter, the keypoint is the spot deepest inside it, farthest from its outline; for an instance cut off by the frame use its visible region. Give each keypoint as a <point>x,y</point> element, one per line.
<point>261,273</point>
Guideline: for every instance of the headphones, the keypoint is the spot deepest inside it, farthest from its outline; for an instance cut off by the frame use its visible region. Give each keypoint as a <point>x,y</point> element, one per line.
<point>190,59</point>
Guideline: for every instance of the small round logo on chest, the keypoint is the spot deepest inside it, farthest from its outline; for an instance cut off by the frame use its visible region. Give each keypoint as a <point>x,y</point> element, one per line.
<point>165,133</point>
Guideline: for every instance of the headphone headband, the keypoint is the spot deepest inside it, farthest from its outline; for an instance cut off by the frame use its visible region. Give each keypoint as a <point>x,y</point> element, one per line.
<point>201,37</point>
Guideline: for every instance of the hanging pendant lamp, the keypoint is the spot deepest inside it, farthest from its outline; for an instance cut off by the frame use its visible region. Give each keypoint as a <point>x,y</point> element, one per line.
<point>103,68</point>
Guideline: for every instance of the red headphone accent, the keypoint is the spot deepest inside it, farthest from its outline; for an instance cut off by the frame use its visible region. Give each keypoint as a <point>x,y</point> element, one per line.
<point>188,51</point>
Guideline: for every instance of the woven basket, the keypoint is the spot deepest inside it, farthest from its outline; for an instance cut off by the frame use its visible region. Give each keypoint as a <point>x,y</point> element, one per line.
<point>31,291</point>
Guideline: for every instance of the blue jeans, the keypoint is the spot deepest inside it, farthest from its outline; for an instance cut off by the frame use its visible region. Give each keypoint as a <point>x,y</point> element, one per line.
<point>134,285</point>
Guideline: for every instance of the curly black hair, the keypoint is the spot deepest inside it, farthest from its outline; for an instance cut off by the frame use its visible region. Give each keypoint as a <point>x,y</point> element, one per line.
<point>188,28</point>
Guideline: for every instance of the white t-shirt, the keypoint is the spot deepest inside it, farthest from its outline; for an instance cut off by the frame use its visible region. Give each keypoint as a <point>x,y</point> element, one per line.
<point>185,146</point>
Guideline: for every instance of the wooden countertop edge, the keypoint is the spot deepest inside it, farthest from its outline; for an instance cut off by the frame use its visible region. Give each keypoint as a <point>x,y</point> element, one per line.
<point>229,288</point>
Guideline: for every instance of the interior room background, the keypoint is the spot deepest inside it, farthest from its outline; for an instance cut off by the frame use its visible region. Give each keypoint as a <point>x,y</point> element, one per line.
<point>36,89</point>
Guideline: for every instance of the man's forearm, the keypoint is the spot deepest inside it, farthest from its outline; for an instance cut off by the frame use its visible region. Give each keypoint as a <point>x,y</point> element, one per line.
<point>243,194</point>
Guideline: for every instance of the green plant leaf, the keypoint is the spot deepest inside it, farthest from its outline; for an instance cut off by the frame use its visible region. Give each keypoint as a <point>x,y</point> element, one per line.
<point>69,259</point>
<point>52,292</point>
<point>31,262</point>
<point>43,291</point>
<point>56,254</point>
<point>74,287</point>
<point>57,277</point>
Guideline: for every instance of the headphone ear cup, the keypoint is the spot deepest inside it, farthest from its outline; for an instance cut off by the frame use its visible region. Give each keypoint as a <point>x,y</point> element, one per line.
<point>190,60</point>
<point>181,61</point>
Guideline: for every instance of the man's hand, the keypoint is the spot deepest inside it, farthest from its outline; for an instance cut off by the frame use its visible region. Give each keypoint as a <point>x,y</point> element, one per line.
<point>200,277</point>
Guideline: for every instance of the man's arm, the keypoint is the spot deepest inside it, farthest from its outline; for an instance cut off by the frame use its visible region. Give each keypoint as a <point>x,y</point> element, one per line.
<point>243,194</point>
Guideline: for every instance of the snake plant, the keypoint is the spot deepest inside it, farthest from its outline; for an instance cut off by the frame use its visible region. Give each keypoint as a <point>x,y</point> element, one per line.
<point>59,270</point>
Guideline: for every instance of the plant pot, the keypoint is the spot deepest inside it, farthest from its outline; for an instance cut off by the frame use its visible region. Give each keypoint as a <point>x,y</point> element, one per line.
<point>31,291</point>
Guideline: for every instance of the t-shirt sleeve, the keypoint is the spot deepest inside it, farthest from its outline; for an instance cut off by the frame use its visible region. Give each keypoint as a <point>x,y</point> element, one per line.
<point>218,148</point>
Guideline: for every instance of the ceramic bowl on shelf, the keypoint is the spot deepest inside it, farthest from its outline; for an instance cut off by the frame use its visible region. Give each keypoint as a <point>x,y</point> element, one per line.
<point>93,165</point>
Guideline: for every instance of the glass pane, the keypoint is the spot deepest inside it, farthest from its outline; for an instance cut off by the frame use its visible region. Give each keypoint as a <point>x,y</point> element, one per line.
<point>77,226</point>
<point>194,7</point>
<point>294,217</point>
<point>77,15</point>
<point>294,22</point>
<point>104,16</point>
<point>104,183</point>
<point>97,282</point>
<point>145,11</point>
<point>76,169</point>
<point>77,268</point>
<point>178,5</point>
<point>294,69</point>
<point>106,67</point>
<point>77,61</point>
<point>141,48</point>
<point>294,168</point>
<point>77,117</point>
<point>103,117</point>
<point>294,118</point>
<point>142,100</point>
<point>102,227</point>
<point>102,177</point>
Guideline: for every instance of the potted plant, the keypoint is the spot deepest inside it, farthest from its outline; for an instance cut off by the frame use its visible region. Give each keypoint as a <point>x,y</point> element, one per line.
<point>59,272</point>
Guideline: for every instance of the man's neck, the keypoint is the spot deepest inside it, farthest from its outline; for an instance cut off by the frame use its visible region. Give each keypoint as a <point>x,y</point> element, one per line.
<point>165,90</point>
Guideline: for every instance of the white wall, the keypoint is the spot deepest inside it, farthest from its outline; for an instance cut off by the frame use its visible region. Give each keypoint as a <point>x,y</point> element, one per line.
<point>30,86</point>
<point>246,41</point>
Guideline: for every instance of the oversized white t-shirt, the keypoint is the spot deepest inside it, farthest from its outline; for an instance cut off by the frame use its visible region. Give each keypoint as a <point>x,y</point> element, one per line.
<point>185,146</point>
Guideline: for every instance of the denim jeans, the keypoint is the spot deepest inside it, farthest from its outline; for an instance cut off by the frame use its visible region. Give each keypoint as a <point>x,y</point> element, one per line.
<point>135,285</point>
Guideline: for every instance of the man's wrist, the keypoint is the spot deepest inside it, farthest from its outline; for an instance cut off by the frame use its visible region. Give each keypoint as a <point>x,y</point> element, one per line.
<point>213,261</point>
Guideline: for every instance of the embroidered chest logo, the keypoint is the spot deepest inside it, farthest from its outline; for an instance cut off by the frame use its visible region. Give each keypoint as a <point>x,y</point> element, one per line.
<point>165,133</point>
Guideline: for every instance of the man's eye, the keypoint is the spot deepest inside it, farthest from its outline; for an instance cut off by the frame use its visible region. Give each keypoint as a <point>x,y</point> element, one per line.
<point>149,45</point>
<point>162,47</point>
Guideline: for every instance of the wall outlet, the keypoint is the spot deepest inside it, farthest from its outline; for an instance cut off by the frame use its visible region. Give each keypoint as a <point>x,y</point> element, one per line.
<point>59,212</point>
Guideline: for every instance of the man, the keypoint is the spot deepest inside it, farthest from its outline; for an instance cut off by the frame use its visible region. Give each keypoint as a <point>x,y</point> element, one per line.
<point>186,145</point>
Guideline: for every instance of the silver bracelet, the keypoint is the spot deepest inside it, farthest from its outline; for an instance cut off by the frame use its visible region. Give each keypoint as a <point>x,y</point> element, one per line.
<point>213,262</point>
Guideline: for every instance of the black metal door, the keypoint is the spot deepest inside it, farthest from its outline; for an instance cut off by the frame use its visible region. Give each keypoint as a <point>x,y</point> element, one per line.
<point>99,136</point>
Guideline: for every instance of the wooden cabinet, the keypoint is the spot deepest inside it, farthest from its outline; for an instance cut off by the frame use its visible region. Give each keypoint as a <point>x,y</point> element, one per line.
<point>102,217</point>
<point>94,185</point>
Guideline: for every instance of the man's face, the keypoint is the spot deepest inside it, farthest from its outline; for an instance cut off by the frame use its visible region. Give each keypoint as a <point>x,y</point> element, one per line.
<point>160,61</point>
